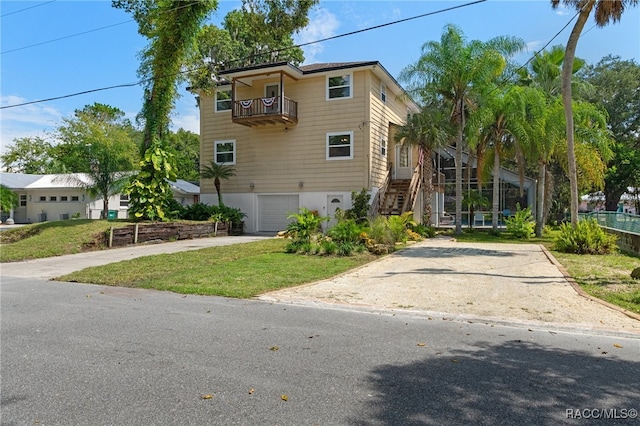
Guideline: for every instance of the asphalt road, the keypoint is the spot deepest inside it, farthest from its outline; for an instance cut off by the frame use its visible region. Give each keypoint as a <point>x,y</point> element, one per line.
<point>74,354</point>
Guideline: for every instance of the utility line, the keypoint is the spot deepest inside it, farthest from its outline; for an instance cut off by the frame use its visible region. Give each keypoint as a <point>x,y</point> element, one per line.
<point>274,51</point>
<point>66,37</point>
<point>27,8</point>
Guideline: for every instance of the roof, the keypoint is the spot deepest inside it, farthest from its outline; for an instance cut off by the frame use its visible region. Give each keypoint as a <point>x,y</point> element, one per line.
<point>17,180</point>
<point>297,72</point>
<point>185,187</point>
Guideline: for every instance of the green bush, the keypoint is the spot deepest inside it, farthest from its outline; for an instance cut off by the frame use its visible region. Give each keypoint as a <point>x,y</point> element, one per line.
<point>380,232</point>
<point>587,237</point>
<point>346,248</point>
<point>306,224</point>
<point>424,231</point>
<point>328,247</point>
<point>346,230</point>
<point>521,224</point>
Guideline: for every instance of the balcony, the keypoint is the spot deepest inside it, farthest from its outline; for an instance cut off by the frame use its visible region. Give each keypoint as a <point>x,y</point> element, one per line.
<point>265,111</point>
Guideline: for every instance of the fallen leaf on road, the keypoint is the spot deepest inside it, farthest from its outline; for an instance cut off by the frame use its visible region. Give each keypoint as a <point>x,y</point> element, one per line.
<point>454,360</point>
<point>422,344</point>
<point>251,391</point>
<point>274,348</point>
<point>284,397</point>
<point>617,345</point>
<point>207,396</point>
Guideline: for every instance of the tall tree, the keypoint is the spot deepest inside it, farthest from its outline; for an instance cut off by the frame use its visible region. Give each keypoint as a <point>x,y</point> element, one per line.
<point>97,147</point>
<point>31,155</point>
<point>171,27</point>
<point>458,71</point>
<point>259,32</point>
<point>616,83</point>
<point>185,146</point>
<point>501,123</point>
<point>606,11</point>
<point>428,130</point>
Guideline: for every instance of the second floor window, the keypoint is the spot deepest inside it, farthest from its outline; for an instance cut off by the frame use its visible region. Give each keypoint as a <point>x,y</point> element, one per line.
<point>225,152</point>
<point>339,87</point>
<point>223,100</point>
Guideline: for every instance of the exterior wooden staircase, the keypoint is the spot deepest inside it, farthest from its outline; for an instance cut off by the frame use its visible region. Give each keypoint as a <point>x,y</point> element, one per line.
<point>395,197</point>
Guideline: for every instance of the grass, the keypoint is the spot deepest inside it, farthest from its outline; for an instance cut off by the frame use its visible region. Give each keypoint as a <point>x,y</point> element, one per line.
<point>241,270</point>
<point>250,269</point>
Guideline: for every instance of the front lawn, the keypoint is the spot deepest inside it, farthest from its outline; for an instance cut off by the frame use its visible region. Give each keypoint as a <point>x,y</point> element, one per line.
<point>241,270</point>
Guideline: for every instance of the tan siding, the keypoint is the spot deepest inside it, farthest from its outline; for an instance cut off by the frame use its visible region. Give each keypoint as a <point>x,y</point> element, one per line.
<point>275,159</point>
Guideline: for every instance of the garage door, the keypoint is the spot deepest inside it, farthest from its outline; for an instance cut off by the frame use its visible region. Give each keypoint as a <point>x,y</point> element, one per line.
<point>273,211</point>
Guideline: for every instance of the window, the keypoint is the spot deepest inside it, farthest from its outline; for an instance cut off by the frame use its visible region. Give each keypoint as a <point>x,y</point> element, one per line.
<point>53,198</point>
<point>23,200</point>
<point>225,152</point>
<point>383,93</point>
<point>339,87</point>
<point>75,198</point>
<point>223,100</point>
<point>383,147</point>
<point>124,200</point>
<point>64,198</point>
<point>43,198</point>
<point>340,146</point>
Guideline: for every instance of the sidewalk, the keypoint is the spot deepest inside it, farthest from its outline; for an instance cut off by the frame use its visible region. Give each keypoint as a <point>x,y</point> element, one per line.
<point>61,265</point>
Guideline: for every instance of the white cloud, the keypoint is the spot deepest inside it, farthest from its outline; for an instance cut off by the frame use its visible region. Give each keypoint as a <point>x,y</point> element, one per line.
<point>534,45</point>
<point>25,121</point>
<point>322,24</point>
<point>562,10</point>
<point>189,122</point>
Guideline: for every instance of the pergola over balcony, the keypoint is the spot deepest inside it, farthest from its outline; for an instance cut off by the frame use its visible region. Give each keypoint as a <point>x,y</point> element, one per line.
<point>274,107</point>
<point>264,111</point>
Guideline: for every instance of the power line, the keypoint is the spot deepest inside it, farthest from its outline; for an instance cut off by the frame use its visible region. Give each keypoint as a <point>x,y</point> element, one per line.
<point>27,8</point>
<point>274,51</point>
<point>66,37</point>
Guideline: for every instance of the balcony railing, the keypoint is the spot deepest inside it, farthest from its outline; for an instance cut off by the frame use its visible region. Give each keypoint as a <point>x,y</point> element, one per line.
<point>263,111</point>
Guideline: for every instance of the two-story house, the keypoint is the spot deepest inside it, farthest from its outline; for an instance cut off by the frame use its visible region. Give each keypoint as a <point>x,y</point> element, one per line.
<point>304,136</point>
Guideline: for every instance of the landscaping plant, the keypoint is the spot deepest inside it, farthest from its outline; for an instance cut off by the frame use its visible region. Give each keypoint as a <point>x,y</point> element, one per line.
<point>587,237</point>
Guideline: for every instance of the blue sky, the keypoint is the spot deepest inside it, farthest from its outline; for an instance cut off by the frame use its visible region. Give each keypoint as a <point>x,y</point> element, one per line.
<point>33,66</point>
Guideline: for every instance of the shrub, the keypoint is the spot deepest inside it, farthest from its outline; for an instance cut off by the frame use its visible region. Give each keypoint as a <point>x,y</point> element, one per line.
<point>521,224</point>
<point>346,248</point>
<point>360,203</point>
<point>198,211</point>
<point>307,223</point>
<point>328,247</point>
<point>635,274</point>
<point>379,231</point>
<point>346,230</point>
<point>587,237</point>
<point>399,225</point>
<point>424,231</point>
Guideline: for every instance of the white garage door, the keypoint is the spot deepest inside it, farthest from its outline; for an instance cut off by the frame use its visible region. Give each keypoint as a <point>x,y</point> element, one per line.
<point>273,211</point>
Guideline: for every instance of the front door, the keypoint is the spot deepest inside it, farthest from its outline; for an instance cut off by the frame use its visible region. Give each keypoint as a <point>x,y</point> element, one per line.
<point>403,162</point>
<point>271,98</point>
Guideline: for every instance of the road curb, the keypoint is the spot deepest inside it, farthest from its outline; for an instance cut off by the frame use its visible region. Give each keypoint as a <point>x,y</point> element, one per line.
<point>579,289</point>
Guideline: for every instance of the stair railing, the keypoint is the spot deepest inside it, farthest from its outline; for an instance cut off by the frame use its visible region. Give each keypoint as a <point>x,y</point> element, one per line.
<point>414,187</point>
<point>378,199</point>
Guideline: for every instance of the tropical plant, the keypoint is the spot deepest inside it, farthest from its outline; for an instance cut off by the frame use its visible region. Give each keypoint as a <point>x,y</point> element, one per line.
<point>587,237</point>
<point>521,224</point>
<point>8,199</point>
<point>471,200</point>
<point>429,129</point>
<point>459,71</point>
<point>605,11</point>
<point>398,225</point>
<point>306,224</point>
<point>217,171</point>
<point>346,230</point>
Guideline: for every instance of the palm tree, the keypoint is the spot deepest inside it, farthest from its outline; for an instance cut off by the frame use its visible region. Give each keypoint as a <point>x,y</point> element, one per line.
<point>217,171</point>
<point>455,70</point>
<point>500,124</point>
<point>605,12</point>
<point>429,130</point>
